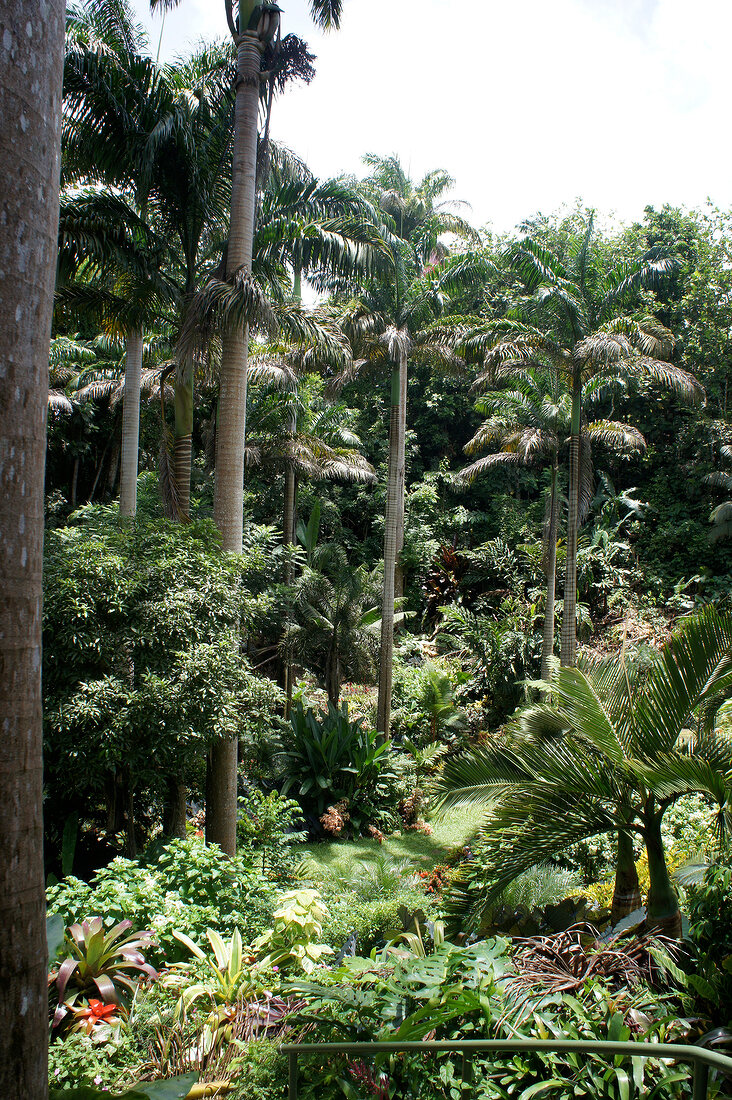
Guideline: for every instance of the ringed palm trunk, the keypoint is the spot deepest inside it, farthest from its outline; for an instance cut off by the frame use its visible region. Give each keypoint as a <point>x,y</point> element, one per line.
<point>130,424</point>
<point>32,43</point>
<point>183,440</point>
<point>626,895</point>
<point>398,572</point>
<point>569,616</point>
<point>547,645</point>
<point>231,422</point>
<point>288,538</point>
<point>395,478</point>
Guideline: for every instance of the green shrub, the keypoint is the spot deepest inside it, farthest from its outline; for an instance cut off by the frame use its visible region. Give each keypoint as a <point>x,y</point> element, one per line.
<point>259,1073</point>
<point>184,886</point>
<point>331,759</point>
<point>80,1060</point>
<point>267,828</point>
<point>710,932</point>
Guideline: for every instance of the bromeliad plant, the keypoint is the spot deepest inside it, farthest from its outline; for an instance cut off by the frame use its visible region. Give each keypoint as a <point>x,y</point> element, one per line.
<point>227,971</point>
<point>109,963</point>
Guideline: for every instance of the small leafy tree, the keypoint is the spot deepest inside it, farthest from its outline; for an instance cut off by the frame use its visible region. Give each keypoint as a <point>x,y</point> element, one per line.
<point>142,627</point>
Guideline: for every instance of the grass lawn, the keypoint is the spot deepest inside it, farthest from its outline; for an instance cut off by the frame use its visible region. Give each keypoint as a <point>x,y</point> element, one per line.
<point>451,830</point>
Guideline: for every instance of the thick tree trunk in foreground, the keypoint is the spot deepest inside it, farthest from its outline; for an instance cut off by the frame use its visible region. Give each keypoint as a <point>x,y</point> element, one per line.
<point>395,479</point>
<point>130,425</point>
<point>31,59</point>
<point>221,804</point>
<point>550,567</point>
<point>569,614</point>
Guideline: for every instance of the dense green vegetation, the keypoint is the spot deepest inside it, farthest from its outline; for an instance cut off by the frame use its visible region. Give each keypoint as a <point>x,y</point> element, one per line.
<point>427,734</point>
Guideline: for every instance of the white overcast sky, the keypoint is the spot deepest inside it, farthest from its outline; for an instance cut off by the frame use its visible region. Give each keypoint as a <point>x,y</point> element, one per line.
<point>527,103</point>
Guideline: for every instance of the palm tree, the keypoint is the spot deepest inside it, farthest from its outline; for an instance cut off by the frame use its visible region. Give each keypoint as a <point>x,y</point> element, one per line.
<point>386,323</point>
<point>29,153</point>
<point>570,319</point>
<point>296,432</point>
<point>610,748</point>
<point>111,95</point>
<point>170,132</point>
<point>335,625</point>
<point>528,424</point>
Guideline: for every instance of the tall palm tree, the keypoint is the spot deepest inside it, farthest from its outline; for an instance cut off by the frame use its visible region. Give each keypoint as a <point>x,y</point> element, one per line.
<point>610,748</point>
<point>170,132</point>
<point>109,273</point>
<point>29,153</point>
<point>571,316</point>
<point>387,323</point>
<point>253,28</point>
<point>113,96</point>
<point>527,424</point>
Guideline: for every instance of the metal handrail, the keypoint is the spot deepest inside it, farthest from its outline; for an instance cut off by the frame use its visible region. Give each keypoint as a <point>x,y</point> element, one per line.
<point>701,1059</point>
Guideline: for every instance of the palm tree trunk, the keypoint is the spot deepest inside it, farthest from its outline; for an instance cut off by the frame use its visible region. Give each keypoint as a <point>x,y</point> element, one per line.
<point>288,512</point>
<point>130,424</point>
<point>288,537</point>
<point>398,571</point>
<point>30,107</point>
<point>183,440</point>
<point>663,913</point>
<point>626,896</point>
<point>395,478</point>
<point>221,804</point>
<point>569,615</point>
<point>550,560</point>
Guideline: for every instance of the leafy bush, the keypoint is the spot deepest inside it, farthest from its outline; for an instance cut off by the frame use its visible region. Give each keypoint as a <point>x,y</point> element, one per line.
<point>185,885</point>
<point>267,828</point>
<point>371,902</point>
<point>331,759</point>
<point>260,1073</point>
<point>141,631</point>
<point>710,932</point>
<point>460,993</point>
<point>84,1060</point>
<point>298,924</point>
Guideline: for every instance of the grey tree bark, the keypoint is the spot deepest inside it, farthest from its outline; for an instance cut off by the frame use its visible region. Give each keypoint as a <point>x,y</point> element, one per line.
<point>391,527</point>
<point>568,654</point>
<point>31,63</point>
<point>221,803</point>
<point>130,425</point>
<point>550,569</point>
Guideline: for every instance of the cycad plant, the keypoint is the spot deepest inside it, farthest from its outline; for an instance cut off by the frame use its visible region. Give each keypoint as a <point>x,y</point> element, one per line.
<point>610,747</point>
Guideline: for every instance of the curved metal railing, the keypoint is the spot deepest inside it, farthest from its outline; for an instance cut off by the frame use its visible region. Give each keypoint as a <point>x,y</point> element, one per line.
<point>700,1059</point>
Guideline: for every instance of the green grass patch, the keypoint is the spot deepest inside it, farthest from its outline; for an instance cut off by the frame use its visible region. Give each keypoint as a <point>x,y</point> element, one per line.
<point>450,830</point>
